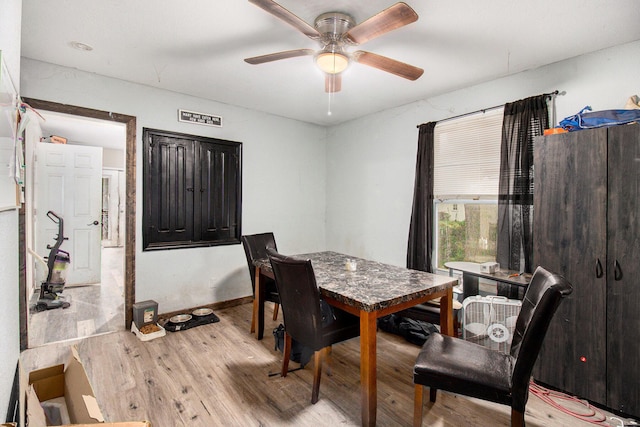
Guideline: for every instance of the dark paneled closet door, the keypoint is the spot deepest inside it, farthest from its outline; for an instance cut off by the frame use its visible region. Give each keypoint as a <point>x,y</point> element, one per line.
<point>623,266</point>
<point>570,239</point>
<point>219,187</point>
<point>192,191</point>
<point>170,189</point>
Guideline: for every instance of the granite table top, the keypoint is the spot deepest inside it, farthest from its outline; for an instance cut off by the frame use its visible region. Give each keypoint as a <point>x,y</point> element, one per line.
<point>373,285</point>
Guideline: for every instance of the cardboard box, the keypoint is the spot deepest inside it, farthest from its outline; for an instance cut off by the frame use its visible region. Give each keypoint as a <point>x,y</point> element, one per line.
<point>57,139</point>
<point>68,388</point>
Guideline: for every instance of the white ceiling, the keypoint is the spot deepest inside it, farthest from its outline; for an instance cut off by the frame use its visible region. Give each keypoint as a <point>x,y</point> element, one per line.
<point>197,47</point>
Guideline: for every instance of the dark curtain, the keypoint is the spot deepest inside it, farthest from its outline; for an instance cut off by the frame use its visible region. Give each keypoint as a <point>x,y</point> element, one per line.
<point>524,120</point>
<point>420,241</point>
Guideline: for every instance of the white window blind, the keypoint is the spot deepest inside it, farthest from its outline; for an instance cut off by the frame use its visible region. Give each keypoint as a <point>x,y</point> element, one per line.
<point>467,156</point>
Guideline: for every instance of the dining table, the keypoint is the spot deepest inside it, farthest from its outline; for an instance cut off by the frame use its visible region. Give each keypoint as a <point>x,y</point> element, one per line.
<point>369,290</point>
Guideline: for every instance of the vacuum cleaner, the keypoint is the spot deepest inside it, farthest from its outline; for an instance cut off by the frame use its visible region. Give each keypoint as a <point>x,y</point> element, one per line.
<point>57,263</point>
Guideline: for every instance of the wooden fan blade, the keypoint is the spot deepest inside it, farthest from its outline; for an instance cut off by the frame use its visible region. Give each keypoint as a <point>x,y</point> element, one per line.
<point>278,56</point>
<point>398,15</point>
<point>332,83</point>
<point>387,64</point>
<point>280,12</point>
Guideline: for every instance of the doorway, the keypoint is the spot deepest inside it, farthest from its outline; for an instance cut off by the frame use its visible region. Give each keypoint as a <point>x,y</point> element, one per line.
<point>124,255</point>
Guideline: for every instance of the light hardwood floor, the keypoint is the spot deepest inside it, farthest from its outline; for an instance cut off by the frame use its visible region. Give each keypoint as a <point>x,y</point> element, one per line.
<point>218,375</point>
<point>94,309</point>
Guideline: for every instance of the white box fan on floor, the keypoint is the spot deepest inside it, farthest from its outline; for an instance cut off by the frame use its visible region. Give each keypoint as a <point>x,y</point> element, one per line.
<point>490,321</point>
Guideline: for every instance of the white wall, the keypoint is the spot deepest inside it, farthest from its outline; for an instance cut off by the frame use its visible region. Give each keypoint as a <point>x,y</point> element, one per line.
<point>113,158</point>
<point>283,180</point>
<point>10,26</point>
<point>371,161</point>
<point>9,313</point>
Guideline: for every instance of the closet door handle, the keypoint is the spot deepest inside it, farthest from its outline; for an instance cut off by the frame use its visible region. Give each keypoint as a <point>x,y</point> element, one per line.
<point>617,271</point>
<point>599,272</point>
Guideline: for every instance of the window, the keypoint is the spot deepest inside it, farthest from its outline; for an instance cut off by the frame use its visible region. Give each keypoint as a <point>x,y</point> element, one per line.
<point>466,175</point>
<point>192,191</point>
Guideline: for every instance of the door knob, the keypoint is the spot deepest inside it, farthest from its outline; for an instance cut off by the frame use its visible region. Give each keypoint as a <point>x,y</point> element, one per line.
<point>94,223</point>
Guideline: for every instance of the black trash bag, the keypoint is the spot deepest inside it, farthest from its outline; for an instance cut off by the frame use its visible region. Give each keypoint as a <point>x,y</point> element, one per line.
<point>299,353</point>
<point>390,323</point>
<point>414,331</point>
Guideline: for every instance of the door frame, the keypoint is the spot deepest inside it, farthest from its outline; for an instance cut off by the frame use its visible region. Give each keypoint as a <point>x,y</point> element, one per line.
<point>130,200</point>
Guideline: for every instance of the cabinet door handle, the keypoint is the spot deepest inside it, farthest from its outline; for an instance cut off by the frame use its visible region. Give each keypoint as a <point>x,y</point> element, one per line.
<point>617,271</point>
<point>599,272</point>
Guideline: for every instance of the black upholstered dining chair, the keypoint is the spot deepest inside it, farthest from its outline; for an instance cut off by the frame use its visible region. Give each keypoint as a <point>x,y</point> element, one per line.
<point>255,247</point>
<point>466,368</point>
<point>303,316</point>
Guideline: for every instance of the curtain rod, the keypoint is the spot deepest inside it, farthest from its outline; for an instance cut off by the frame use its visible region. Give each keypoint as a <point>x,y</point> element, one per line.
<point>484,110</point>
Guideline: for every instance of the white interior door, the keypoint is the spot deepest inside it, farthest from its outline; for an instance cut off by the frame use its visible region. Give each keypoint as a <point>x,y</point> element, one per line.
<point>68,182</point>
<point>111,207</point>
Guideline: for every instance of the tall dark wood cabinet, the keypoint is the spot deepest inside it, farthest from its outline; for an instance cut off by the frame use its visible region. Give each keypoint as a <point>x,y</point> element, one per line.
<point>587,228</point>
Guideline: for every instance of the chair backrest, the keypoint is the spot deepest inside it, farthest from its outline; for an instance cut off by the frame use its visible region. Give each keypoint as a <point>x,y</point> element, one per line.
<point>255,247</point>
<point>541,299</point>
<point>299,298</point>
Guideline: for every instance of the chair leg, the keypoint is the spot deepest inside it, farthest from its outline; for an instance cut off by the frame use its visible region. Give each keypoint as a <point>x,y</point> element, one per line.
<point>432,394</point>
<point>317,373</point>
<point>286,354</point>
<point>327,360</point>
<point>417,406</point>
<point>517,418</point>
<point>276,306</point>
<point>254,313</point>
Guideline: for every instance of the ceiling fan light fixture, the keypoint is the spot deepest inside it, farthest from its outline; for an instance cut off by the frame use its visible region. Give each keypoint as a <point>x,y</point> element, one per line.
<point>335,31</point>
<point>332,62</point>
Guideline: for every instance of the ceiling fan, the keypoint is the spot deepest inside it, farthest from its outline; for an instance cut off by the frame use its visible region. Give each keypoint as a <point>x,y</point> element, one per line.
<point>335,31</point>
